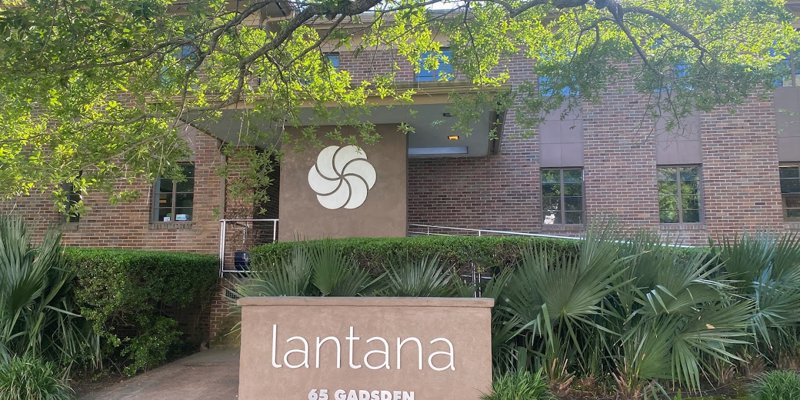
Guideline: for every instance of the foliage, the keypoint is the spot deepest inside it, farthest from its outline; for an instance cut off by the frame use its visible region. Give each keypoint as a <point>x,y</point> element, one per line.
<point>766,270</point>
<point>38,316</point>
<point>112,105</point>
<point>312,269</point>
<point>631,313</point>
<point>134,298</point>
<point>423,277</point>
<point>485,253</point>
<point>29,377</point>
<point>520,386</point>
<point>636,309</point>
<point>777,385</point>
<point>151,347</point>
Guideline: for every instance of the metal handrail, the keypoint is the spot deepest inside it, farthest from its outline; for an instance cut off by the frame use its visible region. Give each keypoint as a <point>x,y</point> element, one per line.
<point>223,230</point>
<point>480,232</point>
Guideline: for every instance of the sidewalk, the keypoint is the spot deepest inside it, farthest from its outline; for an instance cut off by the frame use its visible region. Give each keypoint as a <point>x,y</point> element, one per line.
<point>209,375</point>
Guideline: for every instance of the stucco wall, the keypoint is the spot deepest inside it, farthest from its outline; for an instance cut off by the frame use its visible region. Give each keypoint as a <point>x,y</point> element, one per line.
<point>383,213</point>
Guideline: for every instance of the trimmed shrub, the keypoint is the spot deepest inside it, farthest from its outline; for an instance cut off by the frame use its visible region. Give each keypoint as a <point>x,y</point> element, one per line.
<point>777,385</point>
<point>31,378</point>
<point>146,305</point>
<point>487,253</point>
<point>520,386</point>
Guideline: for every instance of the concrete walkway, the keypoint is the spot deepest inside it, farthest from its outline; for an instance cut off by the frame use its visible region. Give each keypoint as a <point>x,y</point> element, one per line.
<point>209,375</point>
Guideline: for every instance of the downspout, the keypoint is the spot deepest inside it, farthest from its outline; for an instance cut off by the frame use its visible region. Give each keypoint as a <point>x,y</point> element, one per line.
<point>223,204</point>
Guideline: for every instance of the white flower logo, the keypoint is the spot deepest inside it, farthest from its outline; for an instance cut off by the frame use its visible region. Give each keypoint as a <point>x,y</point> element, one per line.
<point>342,177</point>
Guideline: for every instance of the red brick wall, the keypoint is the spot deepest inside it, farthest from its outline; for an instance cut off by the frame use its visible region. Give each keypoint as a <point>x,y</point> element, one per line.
<point>740,169</point>
<point>620,159</point>
<point>128,225</point>
<point>741,191</point>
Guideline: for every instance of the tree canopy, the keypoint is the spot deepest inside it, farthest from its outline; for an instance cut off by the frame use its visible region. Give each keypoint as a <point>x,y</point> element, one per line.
<point>94,91</point>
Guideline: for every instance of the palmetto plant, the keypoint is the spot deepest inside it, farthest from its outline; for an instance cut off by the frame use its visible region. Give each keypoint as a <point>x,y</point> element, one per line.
<point>552,304</point>
<point>766,270</point>
<point>676,317</point>
<point>635,309</point>
<point>318,269</point>
<point>425,277</point>
<point>37,313</point>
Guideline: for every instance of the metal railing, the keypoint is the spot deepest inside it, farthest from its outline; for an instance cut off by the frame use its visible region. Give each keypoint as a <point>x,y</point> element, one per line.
<point>436,230</point>
<point>254,231</point>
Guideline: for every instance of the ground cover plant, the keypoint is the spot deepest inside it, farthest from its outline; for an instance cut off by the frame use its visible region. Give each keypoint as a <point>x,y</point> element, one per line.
<point>42,336</point>
<point>777,385</point>
<point>82,310</point>
<point>614,317</point>
<point>31,378</point>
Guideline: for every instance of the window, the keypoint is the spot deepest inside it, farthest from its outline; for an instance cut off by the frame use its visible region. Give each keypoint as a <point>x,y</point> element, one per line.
<point>679,194</point>
<point>546,88</point>
<point>173,200</point>
<point>444,72</point>
<point>790,191</point>
<point>334,59</point>
<point>562,196</point>
<point>788,71</point>
<point>677,78</point>
<point>72,203</point>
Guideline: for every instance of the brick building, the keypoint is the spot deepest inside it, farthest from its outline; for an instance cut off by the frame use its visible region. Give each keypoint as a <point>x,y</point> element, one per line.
<point>723,174</point>
<point>738,169</point>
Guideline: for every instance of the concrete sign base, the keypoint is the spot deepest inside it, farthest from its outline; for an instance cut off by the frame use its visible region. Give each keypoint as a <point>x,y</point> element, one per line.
<point>312,348</point>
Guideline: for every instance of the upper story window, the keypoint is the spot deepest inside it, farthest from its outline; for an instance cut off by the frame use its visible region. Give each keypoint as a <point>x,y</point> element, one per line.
<point>334,59</point>
<point>788,70</point>
<point>443,72</point>
<point>546,87</point>
<point>562,196</point>
<point>173,201</point>
<point>790,191</point>
<point>679,197</point>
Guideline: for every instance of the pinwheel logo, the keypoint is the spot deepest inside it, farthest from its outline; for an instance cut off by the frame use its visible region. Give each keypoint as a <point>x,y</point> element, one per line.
<point>342,177</point>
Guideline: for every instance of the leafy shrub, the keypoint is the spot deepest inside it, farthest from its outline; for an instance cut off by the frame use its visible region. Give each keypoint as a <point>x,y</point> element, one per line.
<point>128,294</point>
<point>38,316</point>
<point>777,385</point>
<point>520,386</point>
<point>30,378</point>
<point>152,346</point>
<point>488,253</point>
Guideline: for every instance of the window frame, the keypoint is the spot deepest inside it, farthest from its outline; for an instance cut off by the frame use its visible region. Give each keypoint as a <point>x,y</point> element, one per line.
<point>334,58</point>
<point>562,202</point>
<point>436,74</point>
<point>679,193</point>
<point>155,208</point>
<point>543,81</point>
<point>784,208</point>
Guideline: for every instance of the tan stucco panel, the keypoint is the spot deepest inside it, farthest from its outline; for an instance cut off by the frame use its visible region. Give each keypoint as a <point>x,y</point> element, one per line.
<point>383,213</point>
<point>271,327</point>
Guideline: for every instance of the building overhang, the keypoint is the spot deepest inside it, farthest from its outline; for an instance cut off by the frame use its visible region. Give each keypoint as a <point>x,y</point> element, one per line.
<point>430,115</point>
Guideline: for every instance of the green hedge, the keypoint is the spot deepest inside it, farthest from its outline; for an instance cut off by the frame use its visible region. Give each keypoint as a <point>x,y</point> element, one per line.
<point>146,305</point>
<point>487,252</point>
